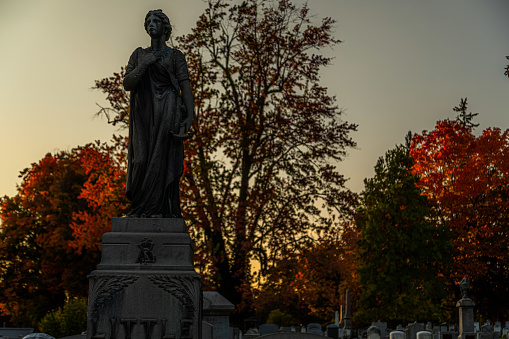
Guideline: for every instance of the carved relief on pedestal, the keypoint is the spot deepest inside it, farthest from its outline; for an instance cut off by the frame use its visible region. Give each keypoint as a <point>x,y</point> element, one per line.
<point>187,292</point>
<point>103,289</point>
<point>146,256</point>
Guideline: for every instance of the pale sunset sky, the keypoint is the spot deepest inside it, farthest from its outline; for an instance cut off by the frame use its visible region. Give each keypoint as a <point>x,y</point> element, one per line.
<point>403,65</point>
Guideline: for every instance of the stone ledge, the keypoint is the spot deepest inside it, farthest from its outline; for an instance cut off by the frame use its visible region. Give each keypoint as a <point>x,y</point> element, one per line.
<point>149,225</point>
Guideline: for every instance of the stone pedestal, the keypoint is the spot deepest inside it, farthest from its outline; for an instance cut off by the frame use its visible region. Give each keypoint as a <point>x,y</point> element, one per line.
<point>145,286</point>
<point>466,318</point>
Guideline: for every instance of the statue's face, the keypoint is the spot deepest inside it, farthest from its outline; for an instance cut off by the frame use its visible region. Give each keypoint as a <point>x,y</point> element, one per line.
<point>155,27</point>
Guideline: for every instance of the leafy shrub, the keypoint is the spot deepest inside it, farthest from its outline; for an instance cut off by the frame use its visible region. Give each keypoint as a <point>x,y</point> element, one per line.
<point>64,321</point>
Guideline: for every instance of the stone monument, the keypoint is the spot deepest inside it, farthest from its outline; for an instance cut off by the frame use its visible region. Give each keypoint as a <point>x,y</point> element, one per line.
<point>466,312</point>
<point>145,285</point>
<point>348,325</point>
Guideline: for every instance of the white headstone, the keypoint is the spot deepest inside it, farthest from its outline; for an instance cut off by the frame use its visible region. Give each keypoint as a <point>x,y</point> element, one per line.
<point>373,332</point>
<point>424,335</point>
<point>397,335</point>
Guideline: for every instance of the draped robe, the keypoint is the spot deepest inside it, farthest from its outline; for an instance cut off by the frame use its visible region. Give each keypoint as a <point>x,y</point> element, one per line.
<point>155,157</point>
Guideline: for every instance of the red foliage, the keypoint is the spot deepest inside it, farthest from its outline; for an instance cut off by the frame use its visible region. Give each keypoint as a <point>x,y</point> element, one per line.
<point>467,180</point>
<point>50,231</point>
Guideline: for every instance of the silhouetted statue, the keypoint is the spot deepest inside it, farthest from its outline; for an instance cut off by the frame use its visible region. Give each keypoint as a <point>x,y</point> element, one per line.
<point>161,112</point>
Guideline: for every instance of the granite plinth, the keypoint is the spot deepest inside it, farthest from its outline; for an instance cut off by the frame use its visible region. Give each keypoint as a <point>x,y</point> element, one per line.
<point>466,317</point>
<point>145,285</point>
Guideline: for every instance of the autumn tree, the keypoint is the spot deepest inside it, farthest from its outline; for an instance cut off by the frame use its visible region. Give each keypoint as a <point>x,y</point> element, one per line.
<point>310,285</point>
<point>260,175</point>
<point>44,256</point>
<point>401,250</point>
<point>466,179</point>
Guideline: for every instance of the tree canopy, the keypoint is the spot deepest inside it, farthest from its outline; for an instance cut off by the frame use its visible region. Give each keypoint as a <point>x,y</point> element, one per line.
<point>466,180</point>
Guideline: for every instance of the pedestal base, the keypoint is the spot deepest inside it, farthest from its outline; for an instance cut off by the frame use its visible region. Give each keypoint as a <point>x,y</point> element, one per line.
<point>145,286</point>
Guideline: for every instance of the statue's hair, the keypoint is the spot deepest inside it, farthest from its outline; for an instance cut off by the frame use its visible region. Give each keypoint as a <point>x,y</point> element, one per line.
<point>166,22</point>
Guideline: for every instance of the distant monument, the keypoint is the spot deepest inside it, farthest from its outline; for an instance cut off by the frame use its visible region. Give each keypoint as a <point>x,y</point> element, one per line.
<point>145,285</point>
<point>466,312</point>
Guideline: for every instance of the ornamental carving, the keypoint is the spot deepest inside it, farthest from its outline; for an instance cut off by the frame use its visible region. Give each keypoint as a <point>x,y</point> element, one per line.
<point>104,288</point>
<point>181,287</point>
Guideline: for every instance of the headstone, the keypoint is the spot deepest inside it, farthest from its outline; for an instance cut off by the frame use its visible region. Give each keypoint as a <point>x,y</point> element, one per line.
<point>268,329</point>
<point>497,329</point>
<point>206,330</point>
<point>373,332</point>
<point>333,331</point>
<point>436,332</point>
<point>397,335</point>
<point>487,327</point>
<point>505,330</point>
<point>429,326</point>
<point>235,333</point>
<point>251,333</point>
<point>424,335</point>
<point>250,323</point>
<point>314,328</point>
<point>383,328</point>
<point>412,329</point>
<point>216,311</point>
<point>477,328</point>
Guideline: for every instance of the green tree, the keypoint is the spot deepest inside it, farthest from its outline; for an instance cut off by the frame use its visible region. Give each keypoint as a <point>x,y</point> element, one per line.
<point>65,321</point>
<point>401,250</point>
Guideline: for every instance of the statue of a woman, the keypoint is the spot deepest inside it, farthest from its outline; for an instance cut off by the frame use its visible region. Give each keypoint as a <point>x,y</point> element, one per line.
<point>161,112</point>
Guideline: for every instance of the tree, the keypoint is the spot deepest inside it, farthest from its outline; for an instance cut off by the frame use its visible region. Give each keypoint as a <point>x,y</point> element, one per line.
<point>466,179</point>
<point>71,319</point>
<point>311,285</point>
<point>260,175</point>
<point>44,260</point>
<point>401,250</point>
<point>465,118</point>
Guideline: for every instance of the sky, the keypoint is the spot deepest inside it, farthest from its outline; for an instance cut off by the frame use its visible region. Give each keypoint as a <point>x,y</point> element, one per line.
<point>402,66</point>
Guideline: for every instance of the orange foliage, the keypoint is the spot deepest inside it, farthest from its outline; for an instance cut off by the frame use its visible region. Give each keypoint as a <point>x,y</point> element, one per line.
<point>466,178</point>
<point>51,230</point>
<point>311,285</point>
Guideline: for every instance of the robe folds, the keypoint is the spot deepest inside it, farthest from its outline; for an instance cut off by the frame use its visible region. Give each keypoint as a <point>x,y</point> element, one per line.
<point>155,157</point>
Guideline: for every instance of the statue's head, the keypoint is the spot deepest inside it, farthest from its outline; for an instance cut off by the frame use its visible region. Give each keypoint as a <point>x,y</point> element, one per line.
<point>166,22</point>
